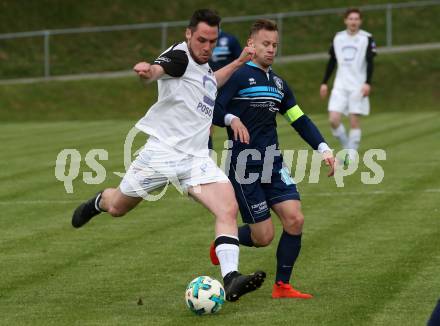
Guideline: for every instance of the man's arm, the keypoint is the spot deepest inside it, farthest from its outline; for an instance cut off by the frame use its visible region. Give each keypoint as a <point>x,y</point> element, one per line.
<point>371,53</point>
<point>222,117</point>
<point>148,73</point>
<point>172,63</point>
<point>305,127</point>
<point>224,96</point>
<point>222,75</point>
<point>311,134</point>
<point>328,72</point>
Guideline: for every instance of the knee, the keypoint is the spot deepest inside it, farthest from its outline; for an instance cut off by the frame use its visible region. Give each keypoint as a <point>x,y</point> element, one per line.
<point>355,121</point>
<point>263,239</point>
<point>355,125</point>
<point>293,223</point>
<point>116,211</point>
<point>334,123</point>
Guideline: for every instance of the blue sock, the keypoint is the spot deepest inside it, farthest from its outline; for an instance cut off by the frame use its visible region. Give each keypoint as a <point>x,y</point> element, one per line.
<point>435,317</point>
<point>287,252</point>
<point>244,236</point>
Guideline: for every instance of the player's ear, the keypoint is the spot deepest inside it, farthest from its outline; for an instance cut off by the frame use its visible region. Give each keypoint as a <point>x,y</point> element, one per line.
<point>188,33</point>
<point>250,42</point>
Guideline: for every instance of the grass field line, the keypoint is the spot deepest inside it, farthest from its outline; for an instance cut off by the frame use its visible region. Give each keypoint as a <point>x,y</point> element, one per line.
<point>314,194</point>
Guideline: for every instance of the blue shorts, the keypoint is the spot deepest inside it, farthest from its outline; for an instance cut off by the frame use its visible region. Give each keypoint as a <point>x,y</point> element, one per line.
<point>256,199</point>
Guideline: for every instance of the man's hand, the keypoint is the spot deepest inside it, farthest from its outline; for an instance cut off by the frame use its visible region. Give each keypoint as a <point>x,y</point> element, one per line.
<point>329,160</point>
<point>240,131</point>
<point>366,89</point>
<point>323,91</point>
<point>143,69</point>
<point>247,54</point>
<point>222,75</point>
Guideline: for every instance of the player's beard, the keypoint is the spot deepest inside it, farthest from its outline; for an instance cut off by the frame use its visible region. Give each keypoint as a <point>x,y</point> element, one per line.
<point>200,62</point>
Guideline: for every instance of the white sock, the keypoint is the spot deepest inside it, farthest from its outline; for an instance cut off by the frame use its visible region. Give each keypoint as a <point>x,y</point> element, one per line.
<point>354,138</point>
<point>97,200</point>
<point>227,254</point>
<point>341,135</point>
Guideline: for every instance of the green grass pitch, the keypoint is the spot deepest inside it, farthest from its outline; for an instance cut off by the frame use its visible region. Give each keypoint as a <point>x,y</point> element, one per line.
<point>370,252</point>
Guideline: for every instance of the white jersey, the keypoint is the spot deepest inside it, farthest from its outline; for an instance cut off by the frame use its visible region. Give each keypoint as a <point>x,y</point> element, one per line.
<point>351,52</point>
<point>182,115</point>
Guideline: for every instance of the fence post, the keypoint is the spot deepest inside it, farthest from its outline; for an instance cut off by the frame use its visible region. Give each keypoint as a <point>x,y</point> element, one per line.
<point>389,25</point>
<point>280,34</point>
<point>46,54</point>
<point>164,37</point>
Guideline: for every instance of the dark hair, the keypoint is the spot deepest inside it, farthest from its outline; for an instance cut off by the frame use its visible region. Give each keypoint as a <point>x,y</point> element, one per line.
<point>265,24</point>
<point>208,16</point>
<point>352,10</point>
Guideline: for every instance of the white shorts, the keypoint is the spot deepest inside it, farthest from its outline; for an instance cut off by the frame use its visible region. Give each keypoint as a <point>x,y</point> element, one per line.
<point>158,165</point>
<point>349,102</point>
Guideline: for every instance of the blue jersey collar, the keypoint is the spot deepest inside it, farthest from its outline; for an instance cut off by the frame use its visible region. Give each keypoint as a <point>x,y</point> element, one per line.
<point>252,64</point>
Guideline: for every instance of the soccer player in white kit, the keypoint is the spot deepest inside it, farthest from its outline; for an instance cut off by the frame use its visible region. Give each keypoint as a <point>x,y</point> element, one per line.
<point>352,50</point>
<point>177,149</point>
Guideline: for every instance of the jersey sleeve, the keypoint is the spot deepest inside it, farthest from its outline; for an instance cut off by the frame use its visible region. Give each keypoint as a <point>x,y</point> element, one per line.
<point>222,102</point>
<point>173,62</point>
<point>371,48</point>
<point>288,102</point>
<point>330,65</point>
<point>298,120</point>
<point>308,131</point>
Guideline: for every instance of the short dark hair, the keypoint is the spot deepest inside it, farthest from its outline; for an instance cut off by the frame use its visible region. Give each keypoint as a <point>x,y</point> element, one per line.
<point>266,24</point>
<point>352,10</point>
<point>208,16</point>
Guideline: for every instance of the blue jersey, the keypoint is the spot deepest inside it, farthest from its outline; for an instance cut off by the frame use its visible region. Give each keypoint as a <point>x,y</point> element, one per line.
<point>256,96</point>
<point>227,50</point>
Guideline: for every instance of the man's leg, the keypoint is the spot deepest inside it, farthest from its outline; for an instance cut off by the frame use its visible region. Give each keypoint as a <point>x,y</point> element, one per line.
<point>337,128</point>
<point>258,230</point>
<point>146,173</point>
<point>250,234</point>
<point>257,234</point>
<point>111,200</point>
<point>114,202</point>
<point>289,247</point>
<point>218,197</point>
<point>435,316</point>
<point>337,105</point>
<point>354,137</point>
<point>358,105</point>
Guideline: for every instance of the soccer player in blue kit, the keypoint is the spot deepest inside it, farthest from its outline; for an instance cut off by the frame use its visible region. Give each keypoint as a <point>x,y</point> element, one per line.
<point>248,104</point>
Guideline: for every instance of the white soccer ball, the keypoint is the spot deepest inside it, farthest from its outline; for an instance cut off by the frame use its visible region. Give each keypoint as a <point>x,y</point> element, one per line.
<point>204,295</point>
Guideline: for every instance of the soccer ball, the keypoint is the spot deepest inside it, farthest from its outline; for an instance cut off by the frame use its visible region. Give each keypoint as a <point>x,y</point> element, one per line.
<point>204,295</point>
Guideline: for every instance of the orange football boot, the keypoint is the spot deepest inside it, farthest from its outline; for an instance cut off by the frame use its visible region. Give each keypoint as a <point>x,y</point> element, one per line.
<point>285,290</point>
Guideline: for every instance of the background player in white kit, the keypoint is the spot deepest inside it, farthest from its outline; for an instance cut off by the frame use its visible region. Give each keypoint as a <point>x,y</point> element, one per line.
<point>177,150</point>
<point>353,51</point>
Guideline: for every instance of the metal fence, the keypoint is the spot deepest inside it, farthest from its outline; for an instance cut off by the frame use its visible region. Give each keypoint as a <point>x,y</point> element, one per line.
<point>165,26</point>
